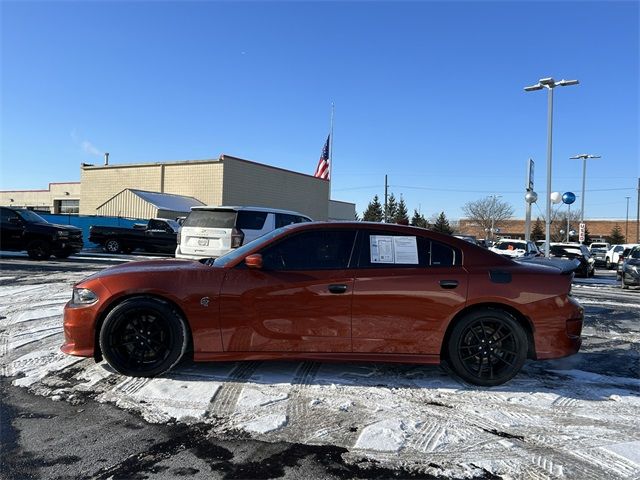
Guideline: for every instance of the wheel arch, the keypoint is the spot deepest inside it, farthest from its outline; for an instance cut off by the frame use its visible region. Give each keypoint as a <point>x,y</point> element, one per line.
<point>524,322</point>
<point>97,352</point>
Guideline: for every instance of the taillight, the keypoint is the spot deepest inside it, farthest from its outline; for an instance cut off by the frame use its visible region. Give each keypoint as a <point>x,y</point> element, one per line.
<point>237,237</point>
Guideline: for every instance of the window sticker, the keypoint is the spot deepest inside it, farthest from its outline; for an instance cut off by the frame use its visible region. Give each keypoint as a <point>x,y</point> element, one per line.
<point>381,248</point>
<point>391,249</point>
<point>405,250</point>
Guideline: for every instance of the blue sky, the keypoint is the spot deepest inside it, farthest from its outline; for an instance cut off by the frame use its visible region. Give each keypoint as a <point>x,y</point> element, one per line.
<point>429,93</point>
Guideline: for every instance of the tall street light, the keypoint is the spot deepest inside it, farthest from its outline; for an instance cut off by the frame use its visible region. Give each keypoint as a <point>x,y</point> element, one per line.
<point>584,157</point>
<point>549,84</point>
<point>626,223</point>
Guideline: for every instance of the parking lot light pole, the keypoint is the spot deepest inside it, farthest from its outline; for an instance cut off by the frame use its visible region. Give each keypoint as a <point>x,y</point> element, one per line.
<point>626,223</point>
<point>584,157</point>
<point>549,84</point>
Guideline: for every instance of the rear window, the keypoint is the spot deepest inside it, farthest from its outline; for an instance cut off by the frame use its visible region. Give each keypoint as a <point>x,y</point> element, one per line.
<point>248,220</point>
<point>211,219</point>
<point>511,246</point>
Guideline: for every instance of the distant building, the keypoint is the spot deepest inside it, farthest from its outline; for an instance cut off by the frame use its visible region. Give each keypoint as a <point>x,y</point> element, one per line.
<point>598,228</point>
<point>144,190</point>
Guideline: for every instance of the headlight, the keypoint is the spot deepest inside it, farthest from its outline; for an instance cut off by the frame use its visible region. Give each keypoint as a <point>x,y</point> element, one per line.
<point>83,296</point>
<point>62,233</point>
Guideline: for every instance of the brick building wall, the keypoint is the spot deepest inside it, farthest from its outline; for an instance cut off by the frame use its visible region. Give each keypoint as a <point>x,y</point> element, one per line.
<point>515,228</point>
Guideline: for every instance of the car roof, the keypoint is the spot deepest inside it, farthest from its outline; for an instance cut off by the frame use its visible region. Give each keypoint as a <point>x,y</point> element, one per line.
<point>243,208</point>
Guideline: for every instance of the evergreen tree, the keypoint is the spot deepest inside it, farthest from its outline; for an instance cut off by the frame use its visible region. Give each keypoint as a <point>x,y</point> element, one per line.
<point>616,236</point>
<point>402,214</point>
<point>537,232</point>
<point>442,224</point>
<point>418,220</point>
<point>392,208</point>
<point>373,213</point>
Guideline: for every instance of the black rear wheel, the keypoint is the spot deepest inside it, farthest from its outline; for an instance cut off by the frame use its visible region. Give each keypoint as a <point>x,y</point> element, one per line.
<point>143,337</point>
<point>112,246</point>
<point>487,347</point>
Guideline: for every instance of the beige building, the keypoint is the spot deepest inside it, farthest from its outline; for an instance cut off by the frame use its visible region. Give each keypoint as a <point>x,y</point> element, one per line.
<point>58,198</point>
<point>108,189</point>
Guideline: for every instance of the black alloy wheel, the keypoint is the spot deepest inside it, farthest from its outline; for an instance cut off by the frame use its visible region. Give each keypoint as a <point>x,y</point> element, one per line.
<point>39,250</point>
<point>487,347</point>
<point>143,337</point>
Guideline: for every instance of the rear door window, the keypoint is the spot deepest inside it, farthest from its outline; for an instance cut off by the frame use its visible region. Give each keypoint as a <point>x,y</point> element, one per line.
<point>211,219</point>
<point>250,220</point>
<point>430,253</point>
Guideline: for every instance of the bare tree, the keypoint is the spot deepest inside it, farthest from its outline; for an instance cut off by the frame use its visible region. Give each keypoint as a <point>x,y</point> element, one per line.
<point>488,212</point>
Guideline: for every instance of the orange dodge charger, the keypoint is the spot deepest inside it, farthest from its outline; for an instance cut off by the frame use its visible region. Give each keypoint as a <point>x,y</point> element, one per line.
<point>330,291</point>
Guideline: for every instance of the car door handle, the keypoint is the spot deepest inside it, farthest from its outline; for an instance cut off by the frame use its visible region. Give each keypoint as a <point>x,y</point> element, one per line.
<point>337,288</point>
<point>448,283</point>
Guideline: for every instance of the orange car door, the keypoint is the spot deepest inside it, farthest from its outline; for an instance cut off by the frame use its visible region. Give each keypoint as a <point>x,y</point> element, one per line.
<point>403,302</point>
<point>299,301</point>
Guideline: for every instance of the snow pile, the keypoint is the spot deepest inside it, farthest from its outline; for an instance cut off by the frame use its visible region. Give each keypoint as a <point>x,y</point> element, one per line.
<point>574,417</point>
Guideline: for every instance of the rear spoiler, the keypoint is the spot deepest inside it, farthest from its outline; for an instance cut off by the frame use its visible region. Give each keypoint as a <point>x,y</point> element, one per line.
<point>565,265</point>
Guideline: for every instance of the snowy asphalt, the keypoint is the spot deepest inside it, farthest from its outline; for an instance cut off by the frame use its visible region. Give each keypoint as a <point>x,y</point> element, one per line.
<point>67,417</point>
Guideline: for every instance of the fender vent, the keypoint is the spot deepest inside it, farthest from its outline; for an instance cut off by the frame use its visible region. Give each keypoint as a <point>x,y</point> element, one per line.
<point>500,276</point>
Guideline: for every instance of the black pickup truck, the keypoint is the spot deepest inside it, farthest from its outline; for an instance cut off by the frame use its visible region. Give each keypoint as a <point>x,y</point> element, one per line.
<point>158,235</point>
<point>22,229</point>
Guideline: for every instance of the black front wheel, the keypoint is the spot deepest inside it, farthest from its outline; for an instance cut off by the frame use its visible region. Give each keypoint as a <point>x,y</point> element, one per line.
<point>487,347</point>
<point>39,250</point>
<point>143,337</point>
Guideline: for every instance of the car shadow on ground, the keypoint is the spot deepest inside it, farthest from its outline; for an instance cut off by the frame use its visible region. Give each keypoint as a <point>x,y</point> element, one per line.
<point>594,376</point>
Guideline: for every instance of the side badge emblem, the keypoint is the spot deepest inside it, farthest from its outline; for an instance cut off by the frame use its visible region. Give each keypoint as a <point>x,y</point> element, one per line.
<point>204,301</point>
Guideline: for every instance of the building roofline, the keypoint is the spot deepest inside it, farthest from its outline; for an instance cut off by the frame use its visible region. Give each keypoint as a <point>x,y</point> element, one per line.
<point>41,189</point>
<point>231,157</point>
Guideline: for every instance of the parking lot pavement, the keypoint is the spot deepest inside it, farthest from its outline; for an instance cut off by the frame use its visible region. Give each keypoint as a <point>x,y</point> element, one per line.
<point>576,417</point>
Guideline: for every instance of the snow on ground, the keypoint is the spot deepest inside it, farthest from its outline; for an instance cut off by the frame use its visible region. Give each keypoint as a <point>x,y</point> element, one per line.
<point>571,418</point>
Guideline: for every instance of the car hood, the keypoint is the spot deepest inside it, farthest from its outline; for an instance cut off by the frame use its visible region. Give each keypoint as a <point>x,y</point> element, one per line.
<point>173,266</point>
<point>69,228</point>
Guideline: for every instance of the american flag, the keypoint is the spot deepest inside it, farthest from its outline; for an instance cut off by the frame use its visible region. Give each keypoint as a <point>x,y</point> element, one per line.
<point>322,170</point>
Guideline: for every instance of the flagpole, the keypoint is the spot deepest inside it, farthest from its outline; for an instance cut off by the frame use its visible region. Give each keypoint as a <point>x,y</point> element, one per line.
<point>331,149</point>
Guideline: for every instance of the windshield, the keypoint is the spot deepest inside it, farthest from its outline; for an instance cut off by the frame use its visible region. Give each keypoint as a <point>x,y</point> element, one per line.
<point>510,246</point>
<point>635,253</point>
<point>211,219</point>
<point>173,224</point>
<point>245,249</point>
<point>29,216</point>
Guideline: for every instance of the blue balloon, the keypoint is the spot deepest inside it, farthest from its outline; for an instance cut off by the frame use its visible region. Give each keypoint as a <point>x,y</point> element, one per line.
<point>568,198</point>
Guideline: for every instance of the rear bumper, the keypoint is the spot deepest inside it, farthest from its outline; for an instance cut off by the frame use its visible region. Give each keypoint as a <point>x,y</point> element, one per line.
<point>200,255</point>
<point>560,335</point>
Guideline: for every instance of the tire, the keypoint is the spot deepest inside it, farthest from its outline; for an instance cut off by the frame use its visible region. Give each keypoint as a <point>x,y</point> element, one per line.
<point>39,250</point>
<point>112,246</point>
<point>143,337</point>
<point>592,273</point>
<point>63,254</point>
<point>473,362</point>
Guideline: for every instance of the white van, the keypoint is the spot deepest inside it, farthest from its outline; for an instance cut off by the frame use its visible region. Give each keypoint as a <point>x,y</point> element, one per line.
<point>210,232</point>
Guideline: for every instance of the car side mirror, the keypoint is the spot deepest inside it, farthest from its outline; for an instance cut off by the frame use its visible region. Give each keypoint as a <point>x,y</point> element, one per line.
<point>254,261</point>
